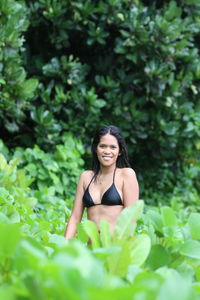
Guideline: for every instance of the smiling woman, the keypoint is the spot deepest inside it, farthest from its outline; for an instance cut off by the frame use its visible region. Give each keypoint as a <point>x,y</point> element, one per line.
<point>110,186</point>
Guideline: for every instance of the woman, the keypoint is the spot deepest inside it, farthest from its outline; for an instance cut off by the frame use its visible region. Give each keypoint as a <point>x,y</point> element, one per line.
<point>109,187</point>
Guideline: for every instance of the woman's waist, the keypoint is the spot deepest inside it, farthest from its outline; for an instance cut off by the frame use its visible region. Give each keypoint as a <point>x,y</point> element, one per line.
<point>104,212</point>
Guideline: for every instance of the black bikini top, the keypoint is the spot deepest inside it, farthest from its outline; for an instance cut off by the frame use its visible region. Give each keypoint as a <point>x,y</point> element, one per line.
<point>110,197</point>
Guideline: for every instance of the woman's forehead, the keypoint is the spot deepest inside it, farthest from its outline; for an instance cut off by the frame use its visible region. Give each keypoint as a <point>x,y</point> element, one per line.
<point>108,139</point>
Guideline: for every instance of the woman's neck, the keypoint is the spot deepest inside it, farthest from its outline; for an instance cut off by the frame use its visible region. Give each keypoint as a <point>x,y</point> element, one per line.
<point>107,170</point>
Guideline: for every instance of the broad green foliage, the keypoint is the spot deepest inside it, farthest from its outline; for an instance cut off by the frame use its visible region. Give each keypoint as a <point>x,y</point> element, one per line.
<point>15,90</point>
<point>132,63</point>
<point>173,240</point>
<point>57,172</point>
<point>19,204</point>
<point>122,249</point>
<point>148,261</point>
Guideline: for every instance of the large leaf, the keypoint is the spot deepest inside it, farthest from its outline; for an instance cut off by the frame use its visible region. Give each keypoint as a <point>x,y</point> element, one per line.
<point>191,248</point>
<point>28,87</point>
<point>7,292</point>
<point>9,237</point>
<point>124,226</point>
<point>158,257</point>
<point>155,219</point>
<point>105,235</point>
<point>116,293</point>
<point>77,257</point>
<point>29,255</point>
<point>175,288</point>
<point>4,219</point>
<point>194,225</point>
<point>92,231</point>
<point>140,248</point>
<point>107,252</point>
<point>3,162</point>
<point>146,284</point>
<point>168,216</point>
<point>118,263</point>
<point>81,234</point>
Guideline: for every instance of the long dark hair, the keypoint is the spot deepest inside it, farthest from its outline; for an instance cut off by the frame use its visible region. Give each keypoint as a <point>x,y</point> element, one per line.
<point>122,160</point>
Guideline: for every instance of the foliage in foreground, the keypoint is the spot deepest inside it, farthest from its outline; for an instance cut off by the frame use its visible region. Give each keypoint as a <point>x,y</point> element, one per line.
<point>36,262</point>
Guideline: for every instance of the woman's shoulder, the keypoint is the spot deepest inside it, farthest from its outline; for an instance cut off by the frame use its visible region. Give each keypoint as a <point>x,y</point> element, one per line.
<point>127,172</point>
<point>86,175</point>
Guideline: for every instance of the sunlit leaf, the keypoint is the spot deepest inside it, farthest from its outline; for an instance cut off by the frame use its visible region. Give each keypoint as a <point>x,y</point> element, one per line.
<point>194,225</point>
<point>92,231</point>
<point>168,216</point>
<point>191,248</point>
<point>158,257</point>
<point>124,226</point>
<point>9,237</point>
<point>105,235</point>
<point>140,245</point>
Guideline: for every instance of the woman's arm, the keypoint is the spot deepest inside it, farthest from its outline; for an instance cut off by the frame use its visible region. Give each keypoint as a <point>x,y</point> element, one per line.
<point>77,211</point>
<point>130,187</point>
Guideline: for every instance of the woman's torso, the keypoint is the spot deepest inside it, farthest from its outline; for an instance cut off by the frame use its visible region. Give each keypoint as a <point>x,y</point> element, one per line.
<point>104,200</point>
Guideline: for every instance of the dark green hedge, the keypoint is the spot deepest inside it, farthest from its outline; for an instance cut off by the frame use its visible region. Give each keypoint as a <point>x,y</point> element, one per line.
<point>134,64</point>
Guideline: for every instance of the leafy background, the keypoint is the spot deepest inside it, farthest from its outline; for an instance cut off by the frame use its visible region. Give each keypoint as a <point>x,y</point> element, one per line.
<point>66,68</point>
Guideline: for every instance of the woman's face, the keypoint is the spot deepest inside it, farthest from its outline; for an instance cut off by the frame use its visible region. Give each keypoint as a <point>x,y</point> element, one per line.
<point>108,150</point>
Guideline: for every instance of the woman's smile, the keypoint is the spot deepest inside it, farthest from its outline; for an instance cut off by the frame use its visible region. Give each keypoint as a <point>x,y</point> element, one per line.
<point>105,157</point>
<point>108,149</point>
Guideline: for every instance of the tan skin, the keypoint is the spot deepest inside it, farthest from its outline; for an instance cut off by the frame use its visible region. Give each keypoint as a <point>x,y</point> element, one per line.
<point>125,182</point>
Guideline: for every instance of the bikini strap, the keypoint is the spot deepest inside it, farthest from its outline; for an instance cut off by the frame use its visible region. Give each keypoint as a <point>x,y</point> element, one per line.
<point>90,181</point>
<point>114,175</point>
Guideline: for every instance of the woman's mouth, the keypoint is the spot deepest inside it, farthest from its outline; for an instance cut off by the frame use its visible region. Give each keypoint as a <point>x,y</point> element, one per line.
<point>106,157</point>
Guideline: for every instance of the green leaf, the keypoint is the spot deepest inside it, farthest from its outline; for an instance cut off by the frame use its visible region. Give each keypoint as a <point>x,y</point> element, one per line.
<point>29,255</point>
<point>105,235</point>
<point>140,245</point>
<point>118,263</point>
<point>124,226</point>
<point>28,87</point>
<point>7,292</point>
<point>106,252</point>
<point>81,234</point>
<point>14,217</point>
<point>4,219</point>
<point>185,270</point>
<point>12,165</point>
<point>155,219</point>
<point>194,225</point>
<point>147,284</point>
<point>3,162</point>
<point>9,237</point>
<point>168,216</point>
<point>115,292</point>
<point>191,248</point>
<point>57,240</point>
<point>158,257</point>
<point>175,288</point>
<point>2,81</point>
<point>92,231</point>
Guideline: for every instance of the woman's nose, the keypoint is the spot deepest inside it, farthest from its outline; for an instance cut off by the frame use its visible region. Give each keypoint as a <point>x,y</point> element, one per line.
<point>107,151</point>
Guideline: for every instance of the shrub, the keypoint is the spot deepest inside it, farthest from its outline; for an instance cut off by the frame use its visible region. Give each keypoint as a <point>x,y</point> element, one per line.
<point>16,90</point>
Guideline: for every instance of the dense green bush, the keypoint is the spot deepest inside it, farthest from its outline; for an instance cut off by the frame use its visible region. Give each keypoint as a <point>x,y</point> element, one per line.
<point>150,260</point>
<point>131,63</point>
<point>58,170</point>
<point>16,90</point>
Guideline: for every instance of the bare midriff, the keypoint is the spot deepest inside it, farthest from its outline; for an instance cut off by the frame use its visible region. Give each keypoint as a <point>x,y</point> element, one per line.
<point>104,212</point>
